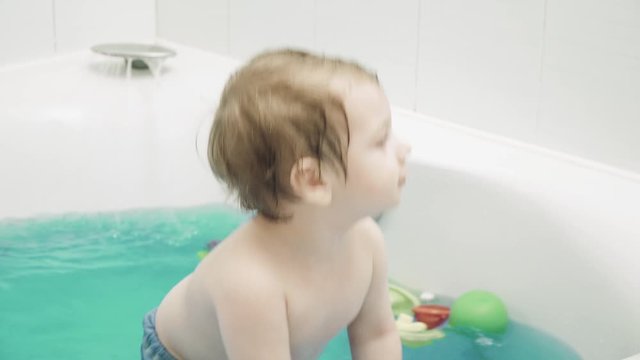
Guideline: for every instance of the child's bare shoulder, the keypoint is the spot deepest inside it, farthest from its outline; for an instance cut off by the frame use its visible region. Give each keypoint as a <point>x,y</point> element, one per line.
<point>366,232</point>
<point>236,270</point>
<point>235,263</point>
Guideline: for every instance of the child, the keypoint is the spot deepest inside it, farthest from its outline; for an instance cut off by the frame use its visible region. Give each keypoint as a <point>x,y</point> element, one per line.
<point>306,142</point>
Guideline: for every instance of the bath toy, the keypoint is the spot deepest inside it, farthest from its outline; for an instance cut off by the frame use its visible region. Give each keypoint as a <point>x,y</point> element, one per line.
<point>415,334</point>
<point>481,310</point>
<point>406,323</point>
<point>426,297</point>
<point>402,301</point>
<point>432,315</point>
<point>210,245</point>
<point>201,254</point>
<point>224,221</point>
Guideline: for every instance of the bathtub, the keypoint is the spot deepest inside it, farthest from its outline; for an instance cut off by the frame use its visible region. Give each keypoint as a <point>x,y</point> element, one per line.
<point>556,237</point>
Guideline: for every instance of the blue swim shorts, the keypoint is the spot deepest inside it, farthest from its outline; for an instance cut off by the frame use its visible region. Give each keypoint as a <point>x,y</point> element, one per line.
<point>152,348</point>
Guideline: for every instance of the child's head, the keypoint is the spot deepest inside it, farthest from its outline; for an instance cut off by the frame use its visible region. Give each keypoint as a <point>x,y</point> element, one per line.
<point>278,109</point>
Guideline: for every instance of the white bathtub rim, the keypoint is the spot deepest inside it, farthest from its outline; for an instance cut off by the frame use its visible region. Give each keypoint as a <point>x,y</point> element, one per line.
<point>526,146</point>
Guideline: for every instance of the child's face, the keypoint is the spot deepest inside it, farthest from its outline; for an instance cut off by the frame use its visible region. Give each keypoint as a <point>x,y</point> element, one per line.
<point>376,158</point>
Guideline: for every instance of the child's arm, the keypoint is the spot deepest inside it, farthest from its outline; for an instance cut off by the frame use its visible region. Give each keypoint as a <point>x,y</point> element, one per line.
<point>252,315</point>
<point>373,333</point>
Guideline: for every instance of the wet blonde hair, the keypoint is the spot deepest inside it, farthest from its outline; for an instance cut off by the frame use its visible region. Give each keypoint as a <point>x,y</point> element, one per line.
<point>279,107</point>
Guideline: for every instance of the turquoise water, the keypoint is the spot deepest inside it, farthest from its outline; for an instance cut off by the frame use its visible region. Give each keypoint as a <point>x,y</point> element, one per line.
<point>76,286</point>
<point>520,342</point>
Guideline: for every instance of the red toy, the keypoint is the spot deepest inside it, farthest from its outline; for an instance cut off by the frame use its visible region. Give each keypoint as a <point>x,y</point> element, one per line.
<point>432,315</point>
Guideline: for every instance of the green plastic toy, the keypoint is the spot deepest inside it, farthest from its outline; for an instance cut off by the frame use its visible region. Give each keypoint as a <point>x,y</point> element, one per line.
<point>402,300</point>
<point>481,310</point>
<point>412,333</point>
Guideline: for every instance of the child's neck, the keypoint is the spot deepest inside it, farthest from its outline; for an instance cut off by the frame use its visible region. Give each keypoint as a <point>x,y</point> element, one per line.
<point>308,235</point>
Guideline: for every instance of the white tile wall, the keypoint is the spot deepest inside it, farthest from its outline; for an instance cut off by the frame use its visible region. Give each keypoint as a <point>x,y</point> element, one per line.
<point>26,30</point>
<point>200,23</point>
<point>590,103</point>
<point>381,35</point>
<point>83,23</point>
<point>480,63</point>
<point>255,25</point>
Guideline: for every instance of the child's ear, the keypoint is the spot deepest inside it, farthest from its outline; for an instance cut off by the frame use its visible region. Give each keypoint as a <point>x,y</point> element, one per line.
<point>307,183</point>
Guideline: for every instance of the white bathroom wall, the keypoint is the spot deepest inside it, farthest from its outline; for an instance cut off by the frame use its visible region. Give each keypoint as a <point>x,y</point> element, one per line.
<point>256,25</point>
<point>32,29</point>
<point>480,63</point>
<point>381,34</point>
<point>200,23</point>
<point>83,23</point>
<point>26,30</point>
<point>590,98</point>
<point>563,74</point>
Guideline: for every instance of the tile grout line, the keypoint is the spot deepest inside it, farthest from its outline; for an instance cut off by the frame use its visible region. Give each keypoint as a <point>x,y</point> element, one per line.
<point>417,68</point>
<point>541,69</point>
<point>155,23</point>
<point>229,27</point>
<point>55,35</point>
<point>315,24</point>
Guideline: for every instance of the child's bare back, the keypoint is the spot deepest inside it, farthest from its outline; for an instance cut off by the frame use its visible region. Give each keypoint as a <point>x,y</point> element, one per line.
<point>248,279</point>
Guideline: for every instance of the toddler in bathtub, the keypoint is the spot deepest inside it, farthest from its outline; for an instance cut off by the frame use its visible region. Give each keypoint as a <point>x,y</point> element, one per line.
<point>306,142</point>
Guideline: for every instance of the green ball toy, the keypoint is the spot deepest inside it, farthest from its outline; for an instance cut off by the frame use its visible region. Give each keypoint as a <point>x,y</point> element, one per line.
<point>481,310</point>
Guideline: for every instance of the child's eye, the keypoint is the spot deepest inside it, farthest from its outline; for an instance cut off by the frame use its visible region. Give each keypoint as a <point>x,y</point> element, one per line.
<point>383,140</point>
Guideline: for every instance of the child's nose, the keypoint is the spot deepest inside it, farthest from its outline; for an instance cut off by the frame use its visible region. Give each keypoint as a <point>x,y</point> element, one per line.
<point>408,149</point>
<point>404,150</point>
